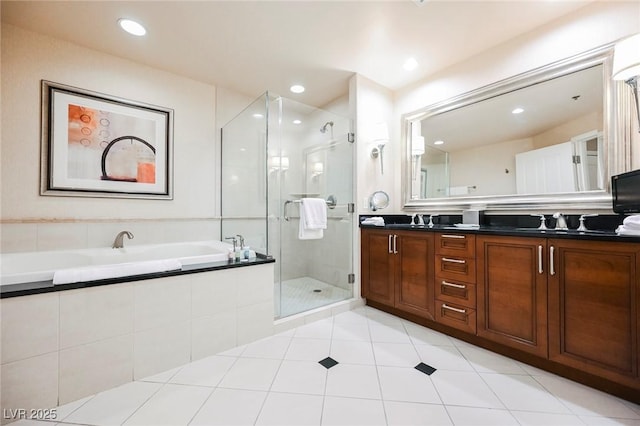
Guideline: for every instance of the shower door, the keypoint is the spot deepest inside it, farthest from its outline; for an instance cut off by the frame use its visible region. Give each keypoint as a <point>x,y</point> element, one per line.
<point>315,273</point>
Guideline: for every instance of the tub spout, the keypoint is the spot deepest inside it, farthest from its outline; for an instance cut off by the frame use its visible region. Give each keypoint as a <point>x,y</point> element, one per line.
<point>118,242</point>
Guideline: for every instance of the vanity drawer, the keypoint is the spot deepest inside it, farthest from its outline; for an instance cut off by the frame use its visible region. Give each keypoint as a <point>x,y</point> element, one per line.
<point>456,268</point>
<point>456,316</point>
<point>460,293</point>
<point>453,244</point>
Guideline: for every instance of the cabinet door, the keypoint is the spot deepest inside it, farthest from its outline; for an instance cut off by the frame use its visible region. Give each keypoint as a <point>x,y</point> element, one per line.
<point>512,292</point>
<point>378,267</point>
<point>594,295</point>
<point>414,276</point>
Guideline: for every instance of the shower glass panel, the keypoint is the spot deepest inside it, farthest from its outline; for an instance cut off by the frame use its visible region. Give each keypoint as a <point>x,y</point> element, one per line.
<point>274,154</point>
<point>243,177</point>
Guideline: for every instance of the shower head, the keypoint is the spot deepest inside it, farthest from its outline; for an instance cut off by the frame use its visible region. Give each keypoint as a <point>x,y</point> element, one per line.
<point>323,129</point>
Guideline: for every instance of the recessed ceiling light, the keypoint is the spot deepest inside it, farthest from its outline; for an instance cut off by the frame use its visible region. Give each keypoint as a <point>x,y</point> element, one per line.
<point>410,64</point>
<point>297,121</point>
<point>257,115</point>
<point>517,111</point>
<point>132,27</point>
<point>438,142</point>
<point>297,88</point>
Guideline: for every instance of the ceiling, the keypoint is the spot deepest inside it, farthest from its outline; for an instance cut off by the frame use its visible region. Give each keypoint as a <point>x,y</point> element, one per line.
<point>254,46</point>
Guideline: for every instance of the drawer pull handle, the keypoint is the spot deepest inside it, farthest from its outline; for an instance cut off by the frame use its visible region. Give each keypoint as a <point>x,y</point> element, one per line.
<point>540,270</point>
<point>395,244</point>
<point>460,311</point>
<point>552,268</point>
<point>453,285</point>
<point>446,259</point>
<point>462,237</point>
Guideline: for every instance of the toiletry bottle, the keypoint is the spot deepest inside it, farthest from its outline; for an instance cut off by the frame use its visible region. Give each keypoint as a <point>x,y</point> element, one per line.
<point>245,253</point>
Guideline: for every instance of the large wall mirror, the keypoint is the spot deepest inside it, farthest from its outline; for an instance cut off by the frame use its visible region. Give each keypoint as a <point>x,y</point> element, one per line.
<point>538,140</point>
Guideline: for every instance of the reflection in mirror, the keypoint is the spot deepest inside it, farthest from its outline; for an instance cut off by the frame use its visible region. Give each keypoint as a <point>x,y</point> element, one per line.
<point>431,173</point>
<point>539,125</point>
<point>541,133</point>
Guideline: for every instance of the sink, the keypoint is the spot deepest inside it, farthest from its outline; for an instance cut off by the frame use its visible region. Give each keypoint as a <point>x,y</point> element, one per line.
<point>404,226</point>
<point>562,231</point>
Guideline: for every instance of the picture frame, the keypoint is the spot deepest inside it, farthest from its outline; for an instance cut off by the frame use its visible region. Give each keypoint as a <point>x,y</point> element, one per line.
<point>97,145</point>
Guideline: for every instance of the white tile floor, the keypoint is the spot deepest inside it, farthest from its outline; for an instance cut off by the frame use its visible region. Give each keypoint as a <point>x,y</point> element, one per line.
<point>278,381</point>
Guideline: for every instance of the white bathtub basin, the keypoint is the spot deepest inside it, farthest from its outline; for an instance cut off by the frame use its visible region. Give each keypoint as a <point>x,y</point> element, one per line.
<point>42,266</point>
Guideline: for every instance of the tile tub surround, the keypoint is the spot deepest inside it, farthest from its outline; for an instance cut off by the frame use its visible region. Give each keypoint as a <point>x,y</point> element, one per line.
<point>62,346</point>
<point>373,380</point>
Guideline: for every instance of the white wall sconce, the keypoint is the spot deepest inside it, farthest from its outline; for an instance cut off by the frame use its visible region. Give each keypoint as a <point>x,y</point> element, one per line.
<point>381,137</point>
<point>626,65</point>
<point>278,164</point>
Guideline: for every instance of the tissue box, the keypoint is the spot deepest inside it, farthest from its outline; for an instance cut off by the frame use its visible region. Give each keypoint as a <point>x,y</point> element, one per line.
<point>472,217</point>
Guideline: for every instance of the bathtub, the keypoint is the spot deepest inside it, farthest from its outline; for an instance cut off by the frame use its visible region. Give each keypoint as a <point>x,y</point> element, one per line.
<point>66,266</point>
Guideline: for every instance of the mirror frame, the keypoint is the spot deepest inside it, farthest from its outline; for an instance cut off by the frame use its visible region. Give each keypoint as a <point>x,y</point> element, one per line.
<point>587,200</point>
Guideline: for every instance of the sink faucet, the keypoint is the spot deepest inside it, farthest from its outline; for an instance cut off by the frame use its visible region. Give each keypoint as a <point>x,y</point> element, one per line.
<point>118,242</point>
<point>561,222</point>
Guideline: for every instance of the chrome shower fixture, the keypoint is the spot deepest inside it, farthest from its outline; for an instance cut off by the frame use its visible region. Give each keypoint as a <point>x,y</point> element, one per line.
<point>323,129</point>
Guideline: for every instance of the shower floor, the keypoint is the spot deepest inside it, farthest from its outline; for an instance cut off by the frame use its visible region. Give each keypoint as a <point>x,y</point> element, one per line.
<point>298,295</point>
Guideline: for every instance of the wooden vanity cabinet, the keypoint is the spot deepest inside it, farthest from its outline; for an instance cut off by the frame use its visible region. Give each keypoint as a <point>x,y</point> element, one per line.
<point>569,305</point>
<point>512,292</point>
<point>594,307</point>
<point>397,270</point>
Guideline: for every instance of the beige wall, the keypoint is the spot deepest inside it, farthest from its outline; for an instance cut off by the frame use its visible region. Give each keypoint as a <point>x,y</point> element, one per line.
<point>28,58</point>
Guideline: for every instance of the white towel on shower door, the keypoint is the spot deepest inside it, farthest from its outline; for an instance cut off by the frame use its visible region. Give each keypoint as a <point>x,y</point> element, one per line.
<point>313,218</point>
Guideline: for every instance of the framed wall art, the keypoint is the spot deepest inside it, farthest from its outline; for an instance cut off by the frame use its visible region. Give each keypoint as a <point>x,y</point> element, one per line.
<point>103,146</point>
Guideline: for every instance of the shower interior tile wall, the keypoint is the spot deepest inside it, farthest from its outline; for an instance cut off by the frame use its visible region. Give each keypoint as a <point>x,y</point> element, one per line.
<point>18,237</point>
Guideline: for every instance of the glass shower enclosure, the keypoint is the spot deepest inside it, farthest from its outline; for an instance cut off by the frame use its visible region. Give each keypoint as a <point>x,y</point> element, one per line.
<point>275,153</point>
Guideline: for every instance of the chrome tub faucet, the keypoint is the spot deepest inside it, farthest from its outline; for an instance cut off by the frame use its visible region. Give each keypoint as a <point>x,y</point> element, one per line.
<point>118,242</point>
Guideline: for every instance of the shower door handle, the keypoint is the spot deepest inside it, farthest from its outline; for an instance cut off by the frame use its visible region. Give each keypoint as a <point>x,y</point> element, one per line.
<point>284,210</point>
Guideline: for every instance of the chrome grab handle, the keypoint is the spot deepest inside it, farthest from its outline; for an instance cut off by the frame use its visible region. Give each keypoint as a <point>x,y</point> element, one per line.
<point>453,236</point>
<point>390,236</point>
<point>453,285</point>
<point>395,244</point>
<point>540,271</point>
<point>552,270</point>
<point>446,259</point>
<point>460,311</point>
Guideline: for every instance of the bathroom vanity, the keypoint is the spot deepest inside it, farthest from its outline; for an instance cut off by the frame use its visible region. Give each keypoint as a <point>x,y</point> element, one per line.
<point>563,301</point>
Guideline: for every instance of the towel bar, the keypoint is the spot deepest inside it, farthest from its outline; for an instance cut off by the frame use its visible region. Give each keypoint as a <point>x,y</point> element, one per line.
<point>331,203</point>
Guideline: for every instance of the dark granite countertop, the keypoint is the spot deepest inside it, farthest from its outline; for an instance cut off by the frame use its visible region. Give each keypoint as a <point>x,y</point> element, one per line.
<point>24,289</point>
<point>514,225</point>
